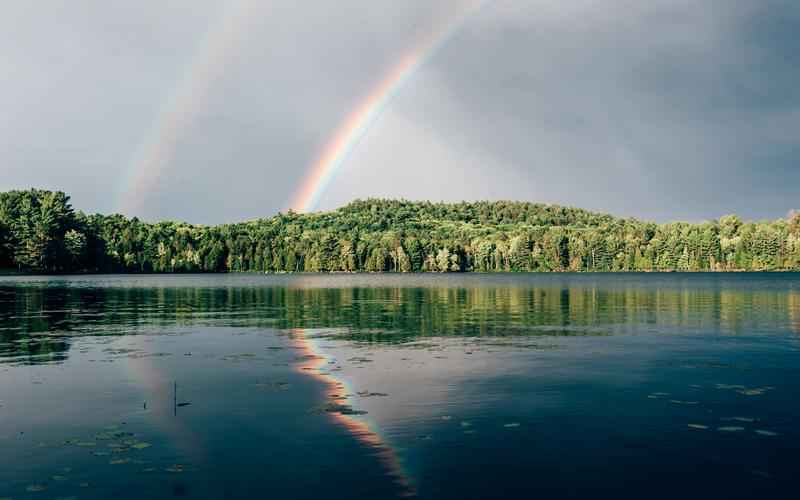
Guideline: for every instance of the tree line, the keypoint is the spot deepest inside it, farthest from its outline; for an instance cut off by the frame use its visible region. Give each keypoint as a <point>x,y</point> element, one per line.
<point>40,232</point>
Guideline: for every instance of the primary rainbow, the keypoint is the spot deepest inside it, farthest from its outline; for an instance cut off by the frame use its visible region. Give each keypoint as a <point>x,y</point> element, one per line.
<point>355,126</point>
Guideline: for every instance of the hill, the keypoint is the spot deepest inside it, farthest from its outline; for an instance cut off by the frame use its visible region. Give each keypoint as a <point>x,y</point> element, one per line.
<point>40,232</point>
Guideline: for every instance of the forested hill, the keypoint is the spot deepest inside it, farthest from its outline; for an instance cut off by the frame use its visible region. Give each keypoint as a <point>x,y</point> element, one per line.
<point>40,232</point>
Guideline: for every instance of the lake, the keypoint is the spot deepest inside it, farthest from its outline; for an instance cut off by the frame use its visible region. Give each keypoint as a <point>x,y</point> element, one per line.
<point>384,386</point>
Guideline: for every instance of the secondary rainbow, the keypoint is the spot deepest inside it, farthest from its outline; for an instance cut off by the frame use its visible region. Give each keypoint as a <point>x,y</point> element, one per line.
<point>184,102</point>
<point>357,123</point>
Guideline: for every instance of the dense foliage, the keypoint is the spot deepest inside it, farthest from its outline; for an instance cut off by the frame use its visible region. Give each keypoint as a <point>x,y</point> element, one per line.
<point>39,231</point>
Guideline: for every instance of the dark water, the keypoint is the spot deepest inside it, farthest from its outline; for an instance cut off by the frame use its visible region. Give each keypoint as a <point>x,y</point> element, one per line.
<point>478,386</point>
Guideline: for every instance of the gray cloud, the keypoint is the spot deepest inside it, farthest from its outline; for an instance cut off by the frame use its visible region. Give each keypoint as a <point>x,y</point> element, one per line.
<point>661,110</point>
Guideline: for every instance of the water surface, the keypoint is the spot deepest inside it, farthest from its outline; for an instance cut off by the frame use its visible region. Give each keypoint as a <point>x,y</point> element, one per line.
<point>382,386</point>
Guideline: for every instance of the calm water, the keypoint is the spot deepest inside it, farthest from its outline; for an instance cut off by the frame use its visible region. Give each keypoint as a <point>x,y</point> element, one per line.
<point>454,386</point>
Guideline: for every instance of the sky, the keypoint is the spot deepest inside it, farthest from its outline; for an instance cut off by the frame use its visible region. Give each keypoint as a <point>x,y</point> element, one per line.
<point>210,111</point>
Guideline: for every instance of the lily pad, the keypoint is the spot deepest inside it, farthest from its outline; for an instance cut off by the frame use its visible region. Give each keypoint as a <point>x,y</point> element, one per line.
<point>751,392</point>
<point>730,428</point>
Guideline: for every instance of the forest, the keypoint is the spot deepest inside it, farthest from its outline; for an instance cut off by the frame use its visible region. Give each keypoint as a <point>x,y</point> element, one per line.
<point>40,232</point>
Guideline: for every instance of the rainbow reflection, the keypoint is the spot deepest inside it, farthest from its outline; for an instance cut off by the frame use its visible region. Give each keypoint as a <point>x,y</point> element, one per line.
<point>338,390</point>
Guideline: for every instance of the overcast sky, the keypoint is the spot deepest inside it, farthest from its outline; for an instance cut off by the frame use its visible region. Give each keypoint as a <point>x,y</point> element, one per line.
<point>661,110</point>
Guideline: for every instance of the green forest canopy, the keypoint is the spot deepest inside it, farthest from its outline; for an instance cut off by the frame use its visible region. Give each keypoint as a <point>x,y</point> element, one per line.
<point>40,232</point>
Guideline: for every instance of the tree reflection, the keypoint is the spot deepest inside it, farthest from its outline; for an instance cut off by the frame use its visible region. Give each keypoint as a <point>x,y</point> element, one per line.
<point>38,321</point>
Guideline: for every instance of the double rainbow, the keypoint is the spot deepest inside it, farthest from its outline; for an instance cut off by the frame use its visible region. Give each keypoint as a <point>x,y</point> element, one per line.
<point>158,147</point>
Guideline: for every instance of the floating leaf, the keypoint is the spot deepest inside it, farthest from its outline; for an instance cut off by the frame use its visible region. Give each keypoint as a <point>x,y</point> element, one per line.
<point>751,392</point>
<point>762,432</point>
<point>59,478</point>
<point>174,468</point>
<point>33,488</point>
<point>741,419</point>
<point>698,426</point>
<point>141,446</point>
<point>119,461</point>
<point>466,424</point>
<point>730,428</point>
<point>511,425</point>
<point>350,411</point>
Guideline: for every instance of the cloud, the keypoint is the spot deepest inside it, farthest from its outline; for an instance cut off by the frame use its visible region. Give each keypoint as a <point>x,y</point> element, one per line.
<point>662,109</point>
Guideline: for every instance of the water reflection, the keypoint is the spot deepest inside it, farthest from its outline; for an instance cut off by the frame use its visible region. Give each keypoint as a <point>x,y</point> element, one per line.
<point>37,319</point>
<point>340,407</point>
<point>557,385</point>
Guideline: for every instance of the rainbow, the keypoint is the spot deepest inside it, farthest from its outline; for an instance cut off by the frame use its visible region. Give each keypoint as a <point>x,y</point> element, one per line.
<point>186,100</point>
<point>339,390</point>
<point>356,124</point>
